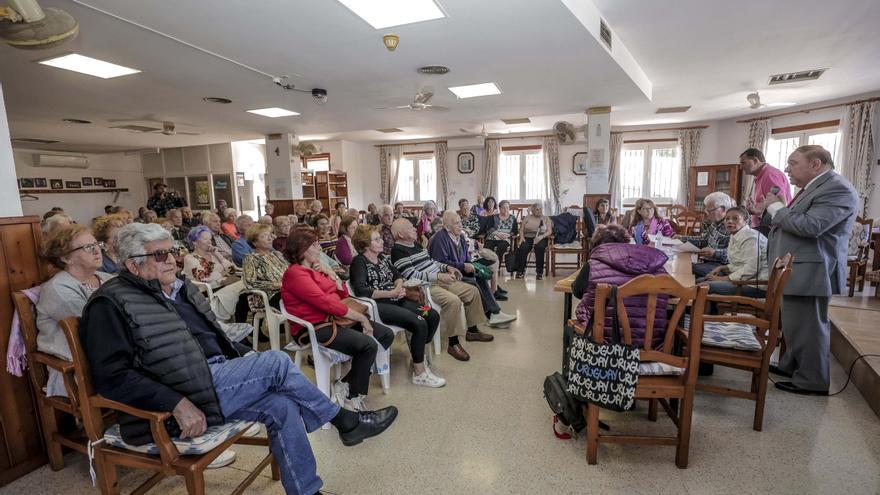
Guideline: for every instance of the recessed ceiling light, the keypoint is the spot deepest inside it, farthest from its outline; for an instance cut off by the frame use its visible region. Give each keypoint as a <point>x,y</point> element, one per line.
<point>386,13</point>
<point>88,65</point>
<point>273,112</point>
<point>216,99</point>
<point>76,121</point>
<point>519,120</point>
<point>433,70</point>
<point>474,90</point>
<point>781,104</point>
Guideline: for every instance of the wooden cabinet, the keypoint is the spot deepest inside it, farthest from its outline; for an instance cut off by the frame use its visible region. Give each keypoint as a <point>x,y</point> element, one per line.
<point>331,187</point>
<point>21,443</point>
<point>705,179</point>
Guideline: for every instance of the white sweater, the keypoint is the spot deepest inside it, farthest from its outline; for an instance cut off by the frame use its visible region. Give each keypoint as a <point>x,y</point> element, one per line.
<point>747,255</point>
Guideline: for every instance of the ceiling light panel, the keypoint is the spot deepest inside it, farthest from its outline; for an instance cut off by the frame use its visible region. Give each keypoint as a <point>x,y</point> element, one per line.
<point>520,120</point>
<point>387,13</point>
<point>475,90</point>
<point>87,65</point>
<point>273,112</point>
<point>390,130</point>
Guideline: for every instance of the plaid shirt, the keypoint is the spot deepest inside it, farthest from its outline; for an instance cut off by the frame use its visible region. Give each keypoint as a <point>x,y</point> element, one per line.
<point>715,236</point>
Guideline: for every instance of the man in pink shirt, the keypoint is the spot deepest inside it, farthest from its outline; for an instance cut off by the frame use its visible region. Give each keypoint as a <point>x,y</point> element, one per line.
<point>752,162</point>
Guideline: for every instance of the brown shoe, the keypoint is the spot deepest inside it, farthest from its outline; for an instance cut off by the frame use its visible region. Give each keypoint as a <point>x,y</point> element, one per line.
<point>478,336</point>
<point>458,352</point>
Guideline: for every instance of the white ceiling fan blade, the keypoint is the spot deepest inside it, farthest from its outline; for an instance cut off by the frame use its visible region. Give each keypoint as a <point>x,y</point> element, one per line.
<point>436,108</point>
<point>423,96</point>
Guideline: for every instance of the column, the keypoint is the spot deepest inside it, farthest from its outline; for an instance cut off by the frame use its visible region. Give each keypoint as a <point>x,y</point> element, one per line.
<point>283,167</point>
<point>11,204</point>
<point>599,141</point>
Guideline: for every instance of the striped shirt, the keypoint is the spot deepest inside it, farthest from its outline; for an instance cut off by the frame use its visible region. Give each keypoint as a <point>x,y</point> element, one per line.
<point>414,262</point>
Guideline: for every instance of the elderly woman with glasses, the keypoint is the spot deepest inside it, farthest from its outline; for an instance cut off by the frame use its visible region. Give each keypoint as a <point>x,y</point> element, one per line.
<point>205,264</point>
<point>647,221</point>
<point>73,250</point>
<point>104,230</point>
<point>263,267</point>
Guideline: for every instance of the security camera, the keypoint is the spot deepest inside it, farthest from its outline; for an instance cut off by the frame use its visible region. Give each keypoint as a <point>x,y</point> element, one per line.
<point>320,95</point>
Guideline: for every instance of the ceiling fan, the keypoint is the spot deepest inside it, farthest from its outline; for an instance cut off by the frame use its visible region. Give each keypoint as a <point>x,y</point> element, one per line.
<point>482,132</point>
<point>168,128</point>
<point>420,102</point>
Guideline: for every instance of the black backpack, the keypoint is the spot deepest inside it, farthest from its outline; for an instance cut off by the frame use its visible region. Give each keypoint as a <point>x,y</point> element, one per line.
<point>567,408</point>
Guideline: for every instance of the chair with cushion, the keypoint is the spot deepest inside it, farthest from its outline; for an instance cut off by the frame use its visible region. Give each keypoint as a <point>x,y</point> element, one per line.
<point>857,253</point>
<point>168,457</point>
<point>664,374</point>
<point>577,248</point>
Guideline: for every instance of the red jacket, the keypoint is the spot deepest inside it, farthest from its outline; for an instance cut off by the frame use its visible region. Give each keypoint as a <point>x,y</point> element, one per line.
<point>311,295</point>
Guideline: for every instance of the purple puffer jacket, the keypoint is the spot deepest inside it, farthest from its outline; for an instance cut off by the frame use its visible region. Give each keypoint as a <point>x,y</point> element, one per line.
<point>616,264</point>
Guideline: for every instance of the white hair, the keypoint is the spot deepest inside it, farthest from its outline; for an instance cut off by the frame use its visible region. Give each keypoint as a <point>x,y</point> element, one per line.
<point>384,208</point>
<point>131,239</point>
<point>449,218</point>
<point>719,198</point>
<point>242,219</point>
<point>428,205</point>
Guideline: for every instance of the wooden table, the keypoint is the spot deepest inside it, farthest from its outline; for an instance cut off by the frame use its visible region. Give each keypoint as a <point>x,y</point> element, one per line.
<point>679,266</point>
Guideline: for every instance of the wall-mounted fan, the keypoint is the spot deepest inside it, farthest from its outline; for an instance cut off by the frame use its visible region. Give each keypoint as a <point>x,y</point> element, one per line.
<point>306,149</point>
<point>419,103</point>
<point>565,132</point>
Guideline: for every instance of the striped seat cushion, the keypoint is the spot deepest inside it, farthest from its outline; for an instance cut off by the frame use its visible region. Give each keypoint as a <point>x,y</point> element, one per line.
<point>650,368</point>
<point>213,436</point>
<point>730,335</point>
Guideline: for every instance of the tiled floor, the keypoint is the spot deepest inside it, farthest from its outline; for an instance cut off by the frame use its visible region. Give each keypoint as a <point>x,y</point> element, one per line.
<point>488,431</point>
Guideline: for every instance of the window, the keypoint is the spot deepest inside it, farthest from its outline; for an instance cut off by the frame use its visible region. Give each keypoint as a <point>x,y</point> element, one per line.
<point>318,163</point>
<point>781,145</point>
<point>521,175</point>
<point>417,178</point>
<point>650,171</point>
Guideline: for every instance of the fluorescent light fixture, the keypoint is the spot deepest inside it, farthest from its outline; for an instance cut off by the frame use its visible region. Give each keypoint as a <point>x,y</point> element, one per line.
<point>88,65</point>
<point>386,13</point>
<point>273,112</point>
<point>474,90</point>
<point>782,104</point>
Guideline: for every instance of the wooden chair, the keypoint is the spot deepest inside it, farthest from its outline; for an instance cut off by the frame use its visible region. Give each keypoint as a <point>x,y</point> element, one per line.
<point>688,222</point>
<point>579,251</point>
<point>169,461</point>
<point>50,407</point>
<point>859,265</point>
<point>676,210</point>
<point>746,342</point>
<point>654,388</point>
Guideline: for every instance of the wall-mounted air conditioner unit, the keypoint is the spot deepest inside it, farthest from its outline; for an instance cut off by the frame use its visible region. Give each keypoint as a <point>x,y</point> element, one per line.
<point>469,143</point>
<point>61,161</point>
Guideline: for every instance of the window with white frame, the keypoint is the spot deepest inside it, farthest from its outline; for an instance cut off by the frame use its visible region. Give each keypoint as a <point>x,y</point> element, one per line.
<point>318,163</point>
<point>650,170</point>
<point>781,145</point>
<point>417,178</point>
<point>521,175</point>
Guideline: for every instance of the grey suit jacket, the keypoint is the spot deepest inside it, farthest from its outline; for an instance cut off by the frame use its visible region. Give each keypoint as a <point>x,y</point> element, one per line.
<point>816,229</point>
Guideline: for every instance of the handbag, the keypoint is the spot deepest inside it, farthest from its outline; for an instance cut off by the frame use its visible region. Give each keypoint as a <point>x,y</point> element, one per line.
<point>335,322</point>
<point>482,272</point>
<point>510,262</point>
<point>603,374</point>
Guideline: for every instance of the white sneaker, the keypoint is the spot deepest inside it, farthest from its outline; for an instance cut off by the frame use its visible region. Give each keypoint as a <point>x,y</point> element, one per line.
<point>254,430</point>
<point>501,318</point>
<point>356,404</point>
<point>428,379</point>
<point>340,392</point>
<point>223,460</point>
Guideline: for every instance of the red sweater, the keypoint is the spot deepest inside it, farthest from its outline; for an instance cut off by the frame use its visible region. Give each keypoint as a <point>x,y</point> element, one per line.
<point>311,295</point>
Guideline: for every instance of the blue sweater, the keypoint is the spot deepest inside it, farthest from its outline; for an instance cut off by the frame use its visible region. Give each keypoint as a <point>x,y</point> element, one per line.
<point>443,249</point>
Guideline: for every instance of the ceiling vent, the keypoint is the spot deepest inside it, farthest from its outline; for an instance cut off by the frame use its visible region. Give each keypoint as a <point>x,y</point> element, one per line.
<point>434,70</point>
<point>605,33</point>
<point>390,130</point>
<point>673,109</point>
<point>521,120</point>
<point>35,141</point>
<point>137,128</point>
<point>791,77</point>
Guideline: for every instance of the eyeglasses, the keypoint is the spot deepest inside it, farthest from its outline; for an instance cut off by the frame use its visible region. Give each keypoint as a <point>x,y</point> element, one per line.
<point>712,209</point>
<point>93,248</point>
<point>160,255</point>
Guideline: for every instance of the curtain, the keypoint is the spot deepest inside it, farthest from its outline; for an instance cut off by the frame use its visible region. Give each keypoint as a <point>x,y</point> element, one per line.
<point>614,171</point>
<point>491,154</point>
<point>689,141</point>
<point>442,182</point>
<point>389,158</point>
<point>857,147</point>
<point>759,133</point>
<point>551,175</point>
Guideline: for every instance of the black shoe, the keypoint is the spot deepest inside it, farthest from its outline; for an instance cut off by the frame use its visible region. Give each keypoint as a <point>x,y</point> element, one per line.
<point>539,277</point>
<point>520,275</point>
<point>499,296</point>
<point>371,423</point>
<point>706,369</point>
<point>501,290</point>
<point>794,389</point>
<point>776,371</point>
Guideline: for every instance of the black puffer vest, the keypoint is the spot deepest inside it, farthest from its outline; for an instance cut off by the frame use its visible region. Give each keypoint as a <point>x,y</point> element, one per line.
<point>164,349</point>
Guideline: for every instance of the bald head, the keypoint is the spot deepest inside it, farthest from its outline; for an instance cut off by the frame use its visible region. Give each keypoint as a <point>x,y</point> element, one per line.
<point>403,230</point>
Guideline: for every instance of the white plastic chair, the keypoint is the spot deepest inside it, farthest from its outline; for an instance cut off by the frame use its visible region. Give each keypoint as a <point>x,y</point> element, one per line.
<point>273,319</point>
<point>205,289</point>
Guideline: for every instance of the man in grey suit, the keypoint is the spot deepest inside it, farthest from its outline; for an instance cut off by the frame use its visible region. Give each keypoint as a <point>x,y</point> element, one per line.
<point>815,228</point>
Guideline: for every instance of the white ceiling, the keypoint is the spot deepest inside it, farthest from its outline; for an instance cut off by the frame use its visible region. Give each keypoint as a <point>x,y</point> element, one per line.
<point>708,54</point>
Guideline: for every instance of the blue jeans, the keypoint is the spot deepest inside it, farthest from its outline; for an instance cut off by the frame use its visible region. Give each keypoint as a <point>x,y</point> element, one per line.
<point>267,387</point>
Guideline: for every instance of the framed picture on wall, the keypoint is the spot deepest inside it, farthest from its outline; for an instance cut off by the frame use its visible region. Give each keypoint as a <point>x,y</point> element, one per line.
<point>27,183</point>
<point>56,184</point>
<point>579,163</point>
<point>97,181</point>
<point>41,183</point>
<point>72,184</point>
<point>109,182</point>
<point>465,163</point>
<point>86,181</point>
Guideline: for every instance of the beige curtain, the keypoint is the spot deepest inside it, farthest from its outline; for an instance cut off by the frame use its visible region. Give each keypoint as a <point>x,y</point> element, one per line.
<point>689,141</point>
<point>389,158</point>
<point>491,154</point>
<point>614,171</point>
<point>857,147</point>
<point>442,180</point>
<point>551,175</point>
<point>759,133</point>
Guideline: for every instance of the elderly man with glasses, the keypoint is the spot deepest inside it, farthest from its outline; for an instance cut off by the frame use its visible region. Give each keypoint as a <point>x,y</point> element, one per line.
<point>714,235</point>
<point>153,343</point>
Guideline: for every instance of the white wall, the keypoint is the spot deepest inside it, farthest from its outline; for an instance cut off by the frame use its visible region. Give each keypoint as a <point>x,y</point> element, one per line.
<point>10,206</point>
<point>83,207</point>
